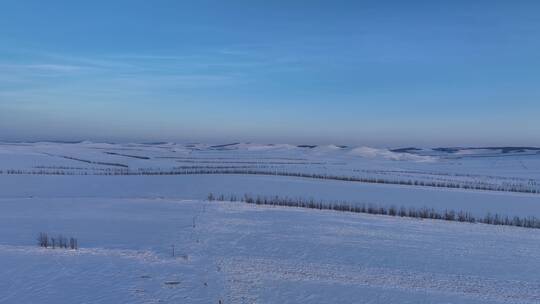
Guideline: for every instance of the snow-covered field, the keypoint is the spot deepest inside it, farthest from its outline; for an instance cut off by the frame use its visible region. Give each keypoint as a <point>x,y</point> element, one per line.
<point>504,180</point>
<point>130,205</point>
<point>242,253</point>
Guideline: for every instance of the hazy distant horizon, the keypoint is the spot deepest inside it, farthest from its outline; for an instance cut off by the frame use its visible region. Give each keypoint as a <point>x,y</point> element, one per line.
<point>294,143</point>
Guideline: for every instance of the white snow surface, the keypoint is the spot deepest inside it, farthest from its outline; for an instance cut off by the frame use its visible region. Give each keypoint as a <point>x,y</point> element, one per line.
<point>240,253</point>
<point>127,223</point>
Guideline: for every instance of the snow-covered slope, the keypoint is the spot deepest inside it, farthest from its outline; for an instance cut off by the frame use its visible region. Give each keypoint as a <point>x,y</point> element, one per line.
<point>240,253</point>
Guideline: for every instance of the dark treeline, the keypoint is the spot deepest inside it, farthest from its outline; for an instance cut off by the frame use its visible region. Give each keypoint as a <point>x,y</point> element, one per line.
<point>422,213</point>
<point>60,241</point>
<point>225,167</point>
<point>95,162</point>
<point>231,158</point>
<point>88,161</point>
<point>127,155</point>
<point>249,162</point>
<point>370,180</point>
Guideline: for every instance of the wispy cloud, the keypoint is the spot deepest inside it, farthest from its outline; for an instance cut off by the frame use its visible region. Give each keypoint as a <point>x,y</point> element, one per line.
<point>44,67</point>
<point>35,75</point>
<point>91,61</point>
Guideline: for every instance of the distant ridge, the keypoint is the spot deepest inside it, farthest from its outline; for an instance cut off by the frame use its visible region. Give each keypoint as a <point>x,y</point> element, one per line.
<point>44,141</point>
<point>405,150</point>
<point>504,149</point>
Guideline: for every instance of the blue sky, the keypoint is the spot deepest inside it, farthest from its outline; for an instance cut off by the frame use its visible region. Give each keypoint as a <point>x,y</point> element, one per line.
<point>382,73</point>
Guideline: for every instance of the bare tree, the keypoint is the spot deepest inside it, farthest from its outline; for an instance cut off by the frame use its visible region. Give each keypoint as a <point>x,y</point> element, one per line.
<point>43,240</point>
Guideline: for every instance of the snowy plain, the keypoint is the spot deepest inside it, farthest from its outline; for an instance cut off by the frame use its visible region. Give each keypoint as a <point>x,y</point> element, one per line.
<point>128,223</point>
<point>501,181</point>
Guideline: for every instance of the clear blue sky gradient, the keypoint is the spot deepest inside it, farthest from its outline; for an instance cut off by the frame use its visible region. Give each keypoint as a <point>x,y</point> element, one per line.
<point>383,73</point>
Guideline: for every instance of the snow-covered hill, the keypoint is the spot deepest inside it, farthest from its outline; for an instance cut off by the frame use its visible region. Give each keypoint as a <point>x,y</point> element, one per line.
<point>500,169</point>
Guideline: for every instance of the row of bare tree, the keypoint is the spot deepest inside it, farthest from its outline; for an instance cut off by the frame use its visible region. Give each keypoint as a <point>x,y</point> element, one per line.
<point>60,241</point>
<point>424,213</point>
